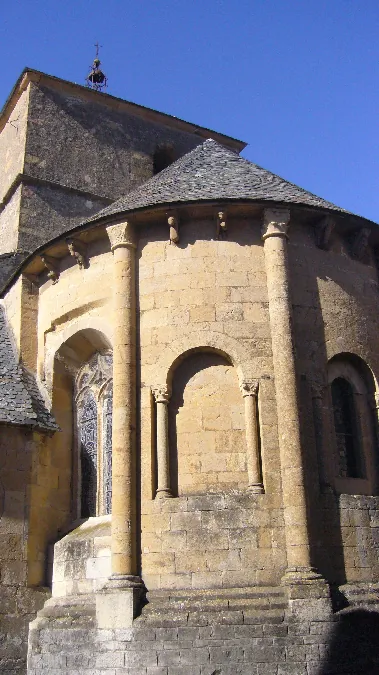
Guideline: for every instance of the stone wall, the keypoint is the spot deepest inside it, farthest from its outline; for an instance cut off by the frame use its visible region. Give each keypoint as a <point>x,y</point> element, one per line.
<point>9,220</point>
<point>334,300</point>
<point>210,295</point>
<point>206,294</point>
<point>93,147</point>
<point>18,602</point>
<point>12,144</point>
<point>74,157</point>
<point>79,156</point>
<point>201,644</point>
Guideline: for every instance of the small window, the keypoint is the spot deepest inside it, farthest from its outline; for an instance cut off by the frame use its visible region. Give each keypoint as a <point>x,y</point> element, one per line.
<point>164,155</point>
<point>346,425</point>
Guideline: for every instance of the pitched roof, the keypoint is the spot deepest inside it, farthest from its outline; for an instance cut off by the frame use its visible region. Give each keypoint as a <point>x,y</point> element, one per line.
<point>212,172</point>
<point>20,399</point>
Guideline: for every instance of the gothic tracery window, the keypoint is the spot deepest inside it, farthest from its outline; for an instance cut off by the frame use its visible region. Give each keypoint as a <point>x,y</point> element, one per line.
<point>93,407</point>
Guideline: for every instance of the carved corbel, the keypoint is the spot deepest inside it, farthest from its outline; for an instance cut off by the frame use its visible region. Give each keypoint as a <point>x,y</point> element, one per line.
<point>222,225</point>
<point>32,278</point>
<point>173,222</point>
<point>360,243</point>
<point>324,232</point>
<point>52,265</point>
<point>78,251</point>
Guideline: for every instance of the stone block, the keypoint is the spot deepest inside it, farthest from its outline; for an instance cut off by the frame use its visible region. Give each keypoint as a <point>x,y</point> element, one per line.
<point>117,609</point>
<point>169,658</point>
<point>194,656</point>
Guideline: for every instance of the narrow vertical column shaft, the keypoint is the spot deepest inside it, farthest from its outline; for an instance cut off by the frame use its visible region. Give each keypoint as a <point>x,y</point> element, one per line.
<point>249,389</point>
<point>322,431</point>
<point>123,542</point>
<point>162,397</point>
<point>280,309</point>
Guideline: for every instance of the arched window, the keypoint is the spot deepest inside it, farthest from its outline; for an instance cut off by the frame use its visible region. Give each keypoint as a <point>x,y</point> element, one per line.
<point>350,461</point>
<point>346,425</point>
<point>93,413</point>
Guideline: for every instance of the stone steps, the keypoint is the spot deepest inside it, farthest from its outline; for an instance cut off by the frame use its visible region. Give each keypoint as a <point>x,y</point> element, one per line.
<point>199,607</point>
<point>361,594</point>
<point>78,609</point>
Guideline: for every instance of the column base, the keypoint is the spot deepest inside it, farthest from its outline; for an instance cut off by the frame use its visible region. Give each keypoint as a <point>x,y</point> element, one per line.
<point>119,601</point>
<point>308,593</point>
<point>164,493</point>
<point>256,488</point>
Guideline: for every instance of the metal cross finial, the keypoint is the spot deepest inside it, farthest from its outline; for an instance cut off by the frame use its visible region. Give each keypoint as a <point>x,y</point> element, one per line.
<point>96,79</point>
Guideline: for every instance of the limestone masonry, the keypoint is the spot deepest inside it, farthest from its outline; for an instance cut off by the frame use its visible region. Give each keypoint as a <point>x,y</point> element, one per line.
<point>189,360</point>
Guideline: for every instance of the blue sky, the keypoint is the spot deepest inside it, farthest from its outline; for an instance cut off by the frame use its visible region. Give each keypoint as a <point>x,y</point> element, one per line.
<point>297,80</point>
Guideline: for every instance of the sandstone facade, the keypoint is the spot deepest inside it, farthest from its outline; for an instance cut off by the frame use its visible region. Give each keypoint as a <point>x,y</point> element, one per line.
<point>208,346</point>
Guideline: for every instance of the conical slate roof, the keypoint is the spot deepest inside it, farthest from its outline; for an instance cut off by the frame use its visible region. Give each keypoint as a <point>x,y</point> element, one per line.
<point>213,172</point>
<point>20,399</point>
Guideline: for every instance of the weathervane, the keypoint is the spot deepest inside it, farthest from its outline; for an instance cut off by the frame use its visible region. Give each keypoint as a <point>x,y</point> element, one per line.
<point>96,78</point>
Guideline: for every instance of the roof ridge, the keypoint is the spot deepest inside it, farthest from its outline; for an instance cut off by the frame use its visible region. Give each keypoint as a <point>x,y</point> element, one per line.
<point>224,174</point>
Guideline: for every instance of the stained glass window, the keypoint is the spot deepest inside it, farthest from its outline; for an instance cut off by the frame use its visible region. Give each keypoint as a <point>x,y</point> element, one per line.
<point>94,402</point>
<point>88,454</point>
<point>107,451</point>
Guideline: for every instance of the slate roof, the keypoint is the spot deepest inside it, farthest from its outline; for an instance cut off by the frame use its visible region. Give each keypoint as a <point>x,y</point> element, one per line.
<point>9,263</point>
<point>21,402</point>
<point>212,172</point>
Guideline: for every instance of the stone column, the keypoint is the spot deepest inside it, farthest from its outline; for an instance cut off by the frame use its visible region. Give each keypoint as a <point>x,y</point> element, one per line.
<point>116,604</point>
<point>322,436</point>
<point>162,396</point>
<point>275,234</point>
<point>124,401</point>
<point>249,389</point>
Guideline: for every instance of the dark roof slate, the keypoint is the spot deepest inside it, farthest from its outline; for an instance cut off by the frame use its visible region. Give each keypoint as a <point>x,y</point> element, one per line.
<point>21,402</point>
<point>9,263</point>
<point>212,172</point>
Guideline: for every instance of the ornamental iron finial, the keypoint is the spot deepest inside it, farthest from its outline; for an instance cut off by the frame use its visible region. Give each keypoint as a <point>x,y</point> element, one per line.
<point>96,79</point>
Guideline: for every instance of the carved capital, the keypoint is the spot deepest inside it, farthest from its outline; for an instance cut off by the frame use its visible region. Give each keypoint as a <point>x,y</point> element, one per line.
<point>121,235</point>
<point>173,222</point>
<point>249,387</point>
<point>162,394</point>
<point>275,223</point>
<point>222,224</point>
<point>77,250</point>
<point>360,243</point>
<point>324,232</point>
<point>52,265</point>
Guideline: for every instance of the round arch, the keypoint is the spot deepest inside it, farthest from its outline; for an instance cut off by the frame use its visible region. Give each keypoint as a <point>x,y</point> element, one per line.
<point>207,341</point>
<point>82,335</point>
<point>357,363</point>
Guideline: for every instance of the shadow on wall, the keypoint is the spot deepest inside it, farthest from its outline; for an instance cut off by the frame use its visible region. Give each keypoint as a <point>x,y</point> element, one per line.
<point>354,647</point>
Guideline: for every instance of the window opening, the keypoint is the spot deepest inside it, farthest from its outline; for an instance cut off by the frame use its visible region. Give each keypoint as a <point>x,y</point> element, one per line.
<point>94,402</point>
<point>88,454</point>
<point>347,429</point>
<point>107,450</point>
<point>163,157</point>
